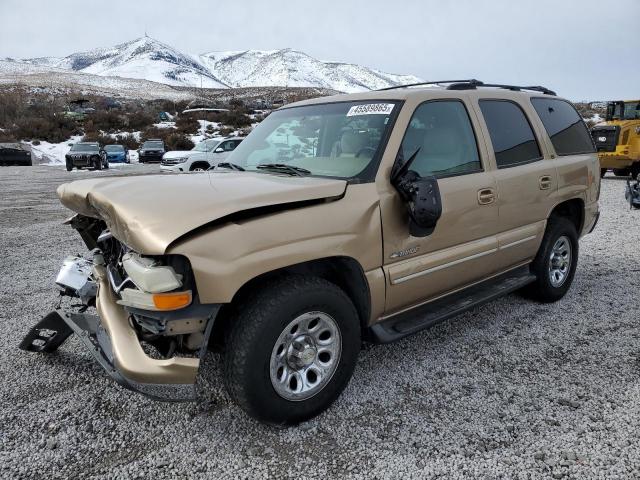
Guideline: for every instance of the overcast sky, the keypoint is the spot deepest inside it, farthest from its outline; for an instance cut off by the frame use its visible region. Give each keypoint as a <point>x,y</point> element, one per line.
<point>584,49</point>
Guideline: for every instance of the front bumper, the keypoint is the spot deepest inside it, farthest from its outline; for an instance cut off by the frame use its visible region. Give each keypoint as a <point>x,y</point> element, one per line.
<point>173,168</point>
<point>114,344</point>
<point>150,157</point>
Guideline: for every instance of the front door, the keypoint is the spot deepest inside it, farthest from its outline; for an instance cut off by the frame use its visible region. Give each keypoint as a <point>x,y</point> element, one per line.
<point>462,247</point>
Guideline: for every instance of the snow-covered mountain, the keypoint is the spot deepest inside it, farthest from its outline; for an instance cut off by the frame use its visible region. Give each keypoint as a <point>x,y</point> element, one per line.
<point>148,59</point>
<point>291,68</point>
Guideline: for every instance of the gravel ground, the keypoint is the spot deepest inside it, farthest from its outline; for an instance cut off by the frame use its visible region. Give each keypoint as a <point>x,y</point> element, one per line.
<point>510,390</point>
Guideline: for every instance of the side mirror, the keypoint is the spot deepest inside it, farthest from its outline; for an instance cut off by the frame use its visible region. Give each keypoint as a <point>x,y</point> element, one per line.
<point>219,150</point>
<point>421,196</point>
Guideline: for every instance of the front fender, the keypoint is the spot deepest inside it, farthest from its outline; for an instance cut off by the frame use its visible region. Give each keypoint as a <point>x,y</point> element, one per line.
<point>226,257</point>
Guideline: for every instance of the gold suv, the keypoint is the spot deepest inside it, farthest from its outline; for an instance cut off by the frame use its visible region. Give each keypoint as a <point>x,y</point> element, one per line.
<point>367,216</point>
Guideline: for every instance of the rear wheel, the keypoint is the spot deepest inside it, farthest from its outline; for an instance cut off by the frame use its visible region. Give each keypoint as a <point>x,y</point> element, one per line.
<point>291,349</point>
<point>556,261</point>
<point>603,172</point>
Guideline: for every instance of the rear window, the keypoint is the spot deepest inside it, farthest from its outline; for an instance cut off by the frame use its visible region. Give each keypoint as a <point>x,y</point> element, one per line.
<point>568,132</point>
<point>511,134</point>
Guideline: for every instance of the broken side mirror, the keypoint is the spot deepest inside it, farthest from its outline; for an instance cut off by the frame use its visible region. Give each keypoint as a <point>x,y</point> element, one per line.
<point>421,196</point>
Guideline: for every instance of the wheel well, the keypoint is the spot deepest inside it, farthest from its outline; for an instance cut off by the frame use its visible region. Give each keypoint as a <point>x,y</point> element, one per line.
<point>199,163</point>
<point>572,210</point>
<point>345,272</point>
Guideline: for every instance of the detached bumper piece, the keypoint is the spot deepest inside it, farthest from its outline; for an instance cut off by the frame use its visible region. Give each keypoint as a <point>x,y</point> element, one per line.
<point>51,332</point>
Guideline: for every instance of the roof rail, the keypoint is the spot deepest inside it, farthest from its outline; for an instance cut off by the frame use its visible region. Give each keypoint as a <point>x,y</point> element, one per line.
<point>472,84</point>
<point>395,87</point>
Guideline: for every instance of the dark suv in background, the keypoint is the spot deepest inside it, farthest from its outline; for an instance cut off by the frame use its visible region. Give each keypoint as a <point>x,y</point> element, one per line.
<point>86,155</point>
<point>151,151</point>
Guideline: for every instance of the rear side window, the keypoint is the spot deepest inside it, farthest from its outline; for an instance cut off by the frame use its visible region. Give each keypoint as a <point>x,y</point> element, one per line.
<point>566,129</point>
<point>442,132</point>
<point>511,134</point>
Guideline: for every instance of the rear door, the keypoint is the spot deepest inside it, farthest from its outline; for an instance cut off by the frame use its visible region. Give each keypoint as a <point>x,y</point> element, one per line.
<point>526,177</point>
<point>460,250</point>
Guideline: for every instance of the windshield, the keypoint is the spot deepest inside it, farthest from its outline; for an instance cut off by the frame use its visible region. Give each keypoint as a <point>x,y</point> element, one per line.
<point>114,148</point>
<point>206,146</point>
<point>85,147</point>
<point>157,145</point>
<point>333,139</point>
<point>623,111</point>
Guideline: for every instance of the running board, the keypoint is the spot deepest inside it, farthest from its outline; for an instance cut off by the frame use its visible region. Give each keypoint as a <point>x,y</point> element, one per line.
<point>427,315</point>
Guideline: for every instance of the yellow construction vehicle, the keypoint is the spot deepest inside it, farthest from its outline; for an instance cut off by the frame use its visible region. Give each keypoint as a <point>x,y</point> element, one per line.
<point>618,139</point>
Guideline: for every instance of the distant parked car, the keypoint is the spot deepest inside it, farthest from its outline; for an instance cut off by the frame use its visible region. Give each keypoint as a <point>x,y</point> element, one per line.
<point>151,151</point>
<point>117,154</point>
<point>203,156</point>
<point>15,154</point>
<point>86,155</point>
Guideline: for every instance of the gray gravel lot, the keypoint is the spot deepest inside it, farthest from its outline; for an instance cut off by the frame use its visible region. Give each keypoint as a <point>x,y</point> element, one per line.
<point>512,390</point>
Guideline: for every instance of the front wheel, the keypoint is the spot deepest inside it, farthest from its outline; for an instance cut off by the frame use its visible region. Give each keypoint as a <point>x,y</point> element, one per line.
<point>97,164</point>
<point>555,263</point>
<point>69,166</point>
<point>291,349</point>
<point>603,172</point>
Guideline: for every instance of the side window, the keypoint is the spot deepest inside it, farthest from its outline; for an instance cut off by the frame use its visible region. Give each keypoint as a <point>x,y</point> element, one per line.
<point>511,134</point>
<point>443,133</point>
<point>568,132</point>
<point>229,146</point>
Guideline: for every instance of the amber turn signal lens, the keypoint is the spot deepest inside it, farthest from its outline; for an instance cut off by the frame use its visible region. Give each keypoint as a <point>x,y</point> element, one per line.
<point>171,301</point>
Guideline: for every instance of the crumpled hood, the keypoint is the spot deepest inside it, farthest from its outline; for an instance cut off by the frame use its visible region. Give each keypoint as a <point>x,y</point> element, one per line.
<point>149,212</point>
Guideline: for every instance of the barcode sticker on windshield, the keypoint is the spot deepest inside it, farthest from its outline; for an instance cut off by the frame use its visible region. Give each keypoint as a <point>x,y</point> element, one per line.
<point>371,109</point>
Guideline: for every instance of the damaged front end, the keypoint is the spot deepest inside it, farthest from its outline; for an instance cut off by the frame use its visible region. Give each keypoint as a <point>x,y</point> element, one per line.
<point>150,332</point>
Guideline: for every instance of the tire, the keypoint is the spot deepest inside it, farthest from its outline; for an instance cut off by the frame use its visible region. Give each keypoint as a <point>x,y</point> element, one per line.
<point>258,331</point>
<point>69,166</point>
<point>97,164</point>
<point>544,289</point>
<point>635,170</point>
<point>621,172</point>
<point>603,172</point>
<point>198,167</point>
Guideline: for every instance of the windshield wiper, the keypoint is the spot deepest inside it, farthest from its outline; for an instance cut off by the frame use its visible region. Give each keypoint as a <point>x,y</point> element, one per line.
<point>229,165</point>
<point>284,168</point>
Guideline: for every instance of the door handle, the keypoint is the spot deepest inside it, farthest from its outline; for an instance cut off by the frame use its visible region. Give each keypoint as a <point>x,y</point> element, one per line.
<point>486,196</point>
<point>545,182</point>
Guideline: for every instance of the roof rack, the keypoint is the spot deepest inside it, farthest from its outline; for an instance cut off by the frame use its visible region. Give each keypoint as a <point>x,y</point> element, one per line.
<point>472,84</point>
<point>429,83</point>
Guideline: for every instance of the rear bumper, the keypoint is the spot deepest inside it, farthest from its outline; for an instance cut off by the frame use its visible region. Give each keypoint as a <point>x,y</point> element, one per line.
<point>114,344</point>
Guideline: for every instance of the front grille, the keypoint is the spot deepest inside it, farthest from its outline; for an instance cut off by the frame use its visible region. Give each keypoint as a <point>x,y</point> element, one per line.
<point>606,138</point>
<point>170,162</point>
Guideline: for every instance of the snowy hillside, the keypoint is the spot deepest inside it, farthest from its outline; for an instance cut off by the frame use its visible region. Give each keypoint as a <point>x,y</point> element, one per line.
<point>295,69</point>
<point>149,59</point>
